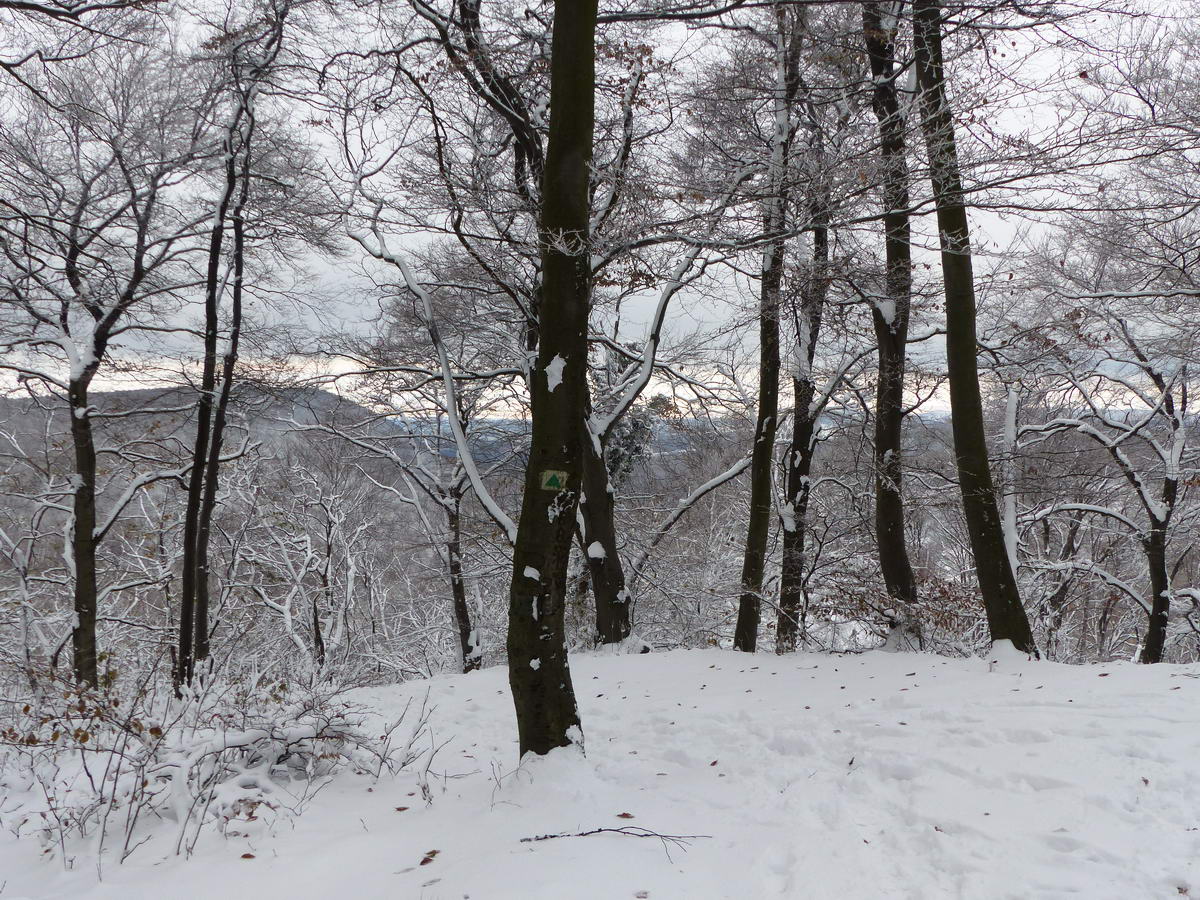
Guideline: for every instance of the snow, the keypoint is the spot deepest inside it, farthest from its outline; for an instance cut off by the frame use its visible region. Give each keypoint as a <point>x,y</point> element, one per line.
<point>787,512</point>
<point>535,664</point>
<point>554,372</point>
<point>882,775</point>
<point>887,310</point>
<point>531,572</point>
<point>595,550</point>
<point>1004,655</point>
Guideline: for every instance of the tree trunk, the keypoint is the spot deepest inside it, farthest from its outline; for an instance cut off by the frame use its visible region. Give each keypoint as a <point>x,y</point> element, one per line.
<point>1057,601</point>
<point>83,537</point>
<point>538,673</point>
<point>220,412</point>
<point>800,453</point>
<point>600,546</point>
<point>1160,595</point>
<point>188,625</point>
<point>1156,552</point>
<point>758,529</point>
<point>745,636</point>
<point>318,637</point>
<point>1006,616</point>
<point>890,319</point>
<point>795,530</point>
<point>468,640</point>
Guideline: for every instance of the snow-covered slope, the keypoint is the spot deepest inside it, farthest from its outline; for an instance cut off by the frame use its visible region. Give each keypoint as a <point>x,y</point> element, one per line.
<point>872,776</point>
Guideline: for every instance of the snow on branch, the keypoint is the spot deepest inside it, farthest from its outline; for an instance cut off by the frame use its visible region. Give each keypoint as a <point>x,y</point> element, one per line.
<point>602,426</point>
<point>375,244</point>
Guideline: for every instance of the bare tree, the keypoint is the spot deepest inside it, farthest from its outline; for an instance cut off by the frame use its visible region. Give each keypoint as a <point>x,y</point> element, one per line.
<point>890,313</point>
<point>248,52</point>
<point>537,655</point>
<point>1006,616</point>
<point>97,258</point>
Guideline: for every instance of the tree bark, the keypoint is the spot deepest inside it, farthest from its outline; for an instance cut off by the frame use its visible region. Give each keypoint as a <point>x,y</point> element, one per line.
<point>538,673</point>
<point>1160,595</point>
<point>802,448</point>
<point>1156,543</point>
<point>83,537</point>
<point>890,322</point>
<point>745,636</point>
<point>188,626</point>
<point>600,545</point>
<point>212,472</point>
<point>1006,616</point>
<point>468,640</point>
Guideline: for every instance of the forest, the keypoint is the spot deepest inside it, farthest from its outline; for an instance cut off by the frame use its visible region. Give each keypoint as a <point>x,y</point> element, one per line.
<point>356,354</point>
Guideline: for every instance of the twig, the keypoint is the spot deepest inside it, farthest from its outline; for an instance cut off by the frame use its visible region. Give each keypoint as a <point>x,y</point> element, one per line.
<point>681,841</point>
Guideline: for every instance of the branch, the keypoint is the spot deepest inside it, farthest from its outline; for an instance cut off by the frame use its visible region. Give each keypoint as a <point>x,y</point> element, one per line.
<point>602,426</point>
<point>379,250</point>
<point>684,505</point>
<point>681,841</point>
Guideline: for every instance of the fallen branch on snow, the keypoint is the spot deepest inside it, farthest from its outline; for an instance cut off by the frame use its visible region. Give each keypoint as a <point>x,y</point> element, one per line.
<point>682,841</point>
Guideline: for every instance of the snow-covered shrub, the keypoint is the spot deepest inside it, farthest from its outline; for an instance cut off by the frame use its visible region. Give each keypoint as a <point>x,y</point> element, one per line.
<point>108,770</point>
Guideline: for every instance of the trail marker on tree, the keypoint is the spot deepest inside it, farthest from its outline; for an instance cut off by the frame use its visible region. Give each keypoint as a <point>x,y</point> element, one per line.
<point>553,479</point>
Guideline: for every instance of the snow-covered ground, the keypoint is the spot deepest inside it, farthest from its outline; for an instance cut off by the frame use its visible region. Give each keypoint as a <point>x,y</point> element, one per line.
<point>870,776</point>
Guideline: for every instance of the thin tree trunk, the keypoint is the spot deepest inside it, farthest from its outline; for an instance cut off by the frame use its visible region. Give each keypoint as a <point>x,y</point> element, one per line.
<point>211,409</point>
<point>1160,595</point>
<point>1056,602</point>
<point>318,637</point>
<point>745,635</point>
<point>83,538</point>
<point>1156,543</point>
<point>798,464</point>
<point>1006,616</point>
<point>220,412</point>
<point>600,546</point>
<point>319,654</point>
<point>538,673</point>
<point>185,664</point>
<point>468,640</point>
<point>890,319</point>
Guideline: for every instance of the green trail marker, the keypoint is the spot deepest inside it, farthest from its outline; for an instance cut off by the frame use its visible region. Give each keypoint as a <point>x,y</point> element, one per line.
<point>553,479</point>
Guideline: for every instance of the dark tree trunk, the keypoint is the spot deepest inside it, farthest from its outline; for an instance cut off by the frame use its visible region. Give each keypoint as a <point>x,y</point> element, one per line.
<point>745,635</point>
<point>326,592</point>
<point>83,538</point>
<point>1160,595</point>
<point>468,640</point>
<point>1006,616</point>
<point>795,530</point>
<point>1103,621</point>
<point>188,626</point>
<point>212,409</point>
<point>891,321</point>
<point>538,673</point>
<point>318,637</point>
<point>1156,549</point>
<point>600,546</point>
<point>798,464</point>
<point>220,412</point>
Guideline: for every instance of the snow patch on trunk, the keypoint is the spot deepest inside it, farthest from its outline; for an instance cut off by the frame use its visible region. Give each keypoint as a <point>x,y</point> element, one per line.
<point>554,372</point>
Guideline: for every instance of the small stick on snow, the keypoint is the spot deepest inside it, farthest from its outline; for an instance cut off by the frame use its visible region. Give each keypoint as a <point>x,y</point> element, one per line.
<point>668,840</point>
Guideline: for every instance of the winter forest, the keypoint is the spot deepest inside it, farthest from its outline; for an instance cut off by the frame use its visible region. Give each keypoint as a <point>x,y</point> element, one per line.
<point>775,391</point>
